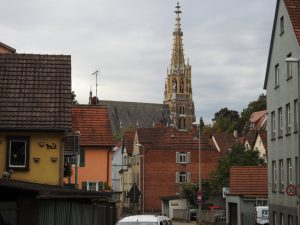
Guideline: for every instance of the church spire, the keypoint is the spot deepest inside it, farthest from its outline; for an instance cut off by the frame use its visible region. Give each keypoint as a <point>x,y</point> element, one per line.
<point>177,60</point>
<point>178,87</point>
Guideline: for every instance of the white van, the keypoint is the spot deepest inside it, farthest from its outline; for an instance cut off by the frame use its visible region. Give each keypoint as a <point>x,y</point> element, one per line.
<point>262,215</point>
<point>145,220</point>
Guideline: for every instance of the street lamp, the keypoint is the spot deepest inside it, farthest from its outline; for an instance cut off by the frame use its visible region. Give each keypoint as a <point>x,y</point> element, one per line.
<point>199,165</point>
<point>143,155</point>
<point>297,60</point>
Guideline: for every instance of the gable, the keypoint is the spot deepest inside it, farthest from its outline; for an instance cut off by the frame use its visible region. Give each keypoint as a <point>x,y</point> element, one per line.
<point>290,9</point>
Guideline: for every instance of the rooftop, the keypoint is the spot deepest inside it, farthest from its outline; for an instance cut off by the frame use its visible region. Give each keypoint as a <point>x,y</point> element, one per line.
<point>35,92</point>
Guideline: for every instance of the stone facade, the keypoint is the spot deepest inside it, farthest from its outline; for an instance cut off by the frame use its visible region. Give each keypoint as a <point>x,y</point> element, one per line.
<point>178,86</point>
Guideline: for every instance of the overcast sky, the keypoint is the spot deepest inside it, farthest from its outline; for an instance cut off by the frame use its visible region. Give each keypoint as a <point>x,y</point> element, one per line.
<point>130,41</point>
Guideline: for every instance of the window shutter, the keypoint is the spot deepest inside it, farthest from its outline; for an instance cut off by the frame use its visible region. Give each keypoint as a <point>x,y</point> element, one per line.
<point>100,186</point>
<point>177,157</point>
<point>84,185</point>
<point>188,155</point>
<point>82,158</point>
<point>189,176</point>
<point>177,177</point>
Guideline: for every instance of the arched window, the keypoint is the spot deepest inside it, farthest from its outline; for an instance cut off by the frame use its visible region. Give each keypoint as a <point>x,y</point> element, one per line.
<point>175,85</point>
<point>181,109</point>
<point>181,86</point>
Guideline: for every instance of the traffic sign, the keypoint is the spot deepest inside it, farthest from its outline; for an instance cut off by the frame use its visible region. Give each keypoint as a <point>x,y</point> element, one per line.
<point>291,190</point>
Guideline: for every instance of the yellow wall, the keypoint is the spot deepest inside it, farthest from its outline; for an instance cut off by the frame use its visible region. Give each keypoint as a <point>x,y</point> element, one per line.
<point>42,165</point>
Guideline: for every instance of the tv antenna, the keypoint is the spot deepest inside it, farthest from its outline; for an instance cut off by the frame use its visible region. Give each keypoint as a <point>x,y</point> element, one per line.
<point>96,74</point>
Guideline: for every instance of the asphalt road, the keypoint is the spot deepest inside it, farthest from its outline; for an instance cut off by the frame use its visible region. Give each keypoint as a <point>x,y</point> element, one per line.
<point>182,223</point>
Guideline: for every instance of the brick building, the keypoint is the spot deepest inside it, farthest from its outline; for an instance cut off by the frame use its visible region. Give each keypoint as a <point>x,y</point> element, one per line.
<point>170,157</point>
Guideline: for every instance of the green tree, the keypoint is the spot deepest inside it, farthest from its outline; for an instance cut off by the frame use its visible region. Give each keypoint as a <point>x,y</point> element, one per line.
<point>226,120</point>
<point>189,191</point>
<point>73,96</point>
<point>237,156</point>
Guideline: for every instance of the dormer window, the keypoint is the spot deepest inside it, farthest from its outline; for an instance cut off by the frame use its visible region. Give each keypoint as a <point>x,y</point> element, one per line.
<point>281,25</point>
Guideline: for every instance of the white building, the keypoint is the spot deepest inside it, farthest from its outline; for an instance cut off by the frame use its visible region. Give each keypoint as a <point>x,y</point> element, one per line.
<point>281,83</point>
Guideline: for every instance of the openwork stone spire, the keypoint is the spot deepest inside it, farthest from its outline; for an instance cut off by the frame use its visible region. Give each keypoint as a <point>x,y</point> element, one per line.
<point>178,87</point>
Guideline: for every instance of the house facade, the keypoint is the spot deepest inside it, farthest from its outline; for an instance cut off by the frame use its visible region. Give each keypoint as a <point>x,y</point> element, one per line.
<point>165,158</point>
<point>96,144</point>
<point>281,83</point>
<point>35,114</point>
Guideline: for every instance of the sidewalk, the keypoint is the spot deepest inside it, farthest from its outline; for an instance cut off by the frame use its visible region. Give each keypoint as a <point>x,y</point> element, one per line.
<point>184,223</point>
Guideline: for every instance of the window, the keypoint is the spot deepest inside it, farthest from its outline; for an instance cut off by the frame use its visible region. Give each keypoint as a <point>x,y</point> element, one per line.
<point>183,157</point>
<point>290,220</point>
<point>274,218</point>
<point>289,171</point>
<point>181,86</point>
<point>274,176</point>
<point>296,119</point>
<point>183,177</point>
<point>273,128</point>
<point>18,153</point>
<point>181,109</point>
<point>281,176</point>
<point>288,118</point>
<point>92,186</point>
<point>280,123</point>
<point>296,171</point>
<point>82,157</point>
<point>277,76</point>
<point>281,219</point>
<point>281,25</point>
<point>289,67</point>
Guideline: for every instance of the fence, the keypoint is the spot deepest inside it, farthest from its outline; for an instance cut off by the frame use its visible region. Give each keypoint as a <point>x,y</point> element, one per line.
<point>213,216</point>
<point>181,214</point>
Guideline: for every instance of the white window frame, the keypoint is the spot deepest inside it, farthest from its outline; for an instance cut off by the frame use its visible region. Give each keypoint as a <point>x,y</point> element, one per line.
<point>274,176</point>
<point>281,176</point>
<point>288,118</point>
<point>289,67</point>
<point>273,125</point>
<point>277,74</point>
<point>289,171</point>
<point>92,182</point>
<point>296,119</point>
<point>280,122</point>
<point>183,157</point>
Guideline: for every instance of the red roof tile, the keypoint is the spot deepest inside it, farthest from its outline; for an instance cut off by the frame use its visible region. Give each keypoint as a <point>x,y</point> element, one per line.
<point>249,181</point>
<point>93,124</point>
<point>293,8</point>
<point>225,141</point>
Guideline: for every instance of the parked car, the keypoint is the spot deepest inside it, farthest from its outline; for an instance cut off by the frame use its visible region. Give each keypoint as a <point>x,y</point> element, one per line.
<point>261,215</point>
<point>145,220</point>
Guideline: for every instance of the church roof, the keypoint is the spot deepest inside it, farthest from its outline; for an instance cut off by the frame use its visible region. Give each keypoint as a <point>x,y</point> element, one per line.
<point>125,115</point>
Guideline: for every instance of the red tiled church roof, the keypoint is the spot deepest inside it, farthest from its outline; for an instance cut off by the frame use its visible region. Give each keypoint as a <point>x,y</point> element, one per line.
<point>293,8</point>
<point>93,124</point>
<point>249,181</point>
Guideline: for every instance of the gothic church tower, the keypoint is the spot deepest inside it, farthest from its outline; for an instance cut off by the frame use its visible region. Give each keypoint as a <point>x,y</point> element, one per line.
<point>178,87</point>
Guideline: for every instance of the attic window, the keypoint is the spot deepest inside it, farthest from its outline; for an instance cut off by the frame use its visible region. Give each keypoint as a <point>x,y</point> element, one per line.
<point>281,25</point>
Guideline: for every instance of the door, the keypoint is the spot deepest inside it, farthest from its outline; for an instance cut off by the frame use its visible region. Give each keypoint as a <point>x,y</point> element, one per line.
<point>233,215</point>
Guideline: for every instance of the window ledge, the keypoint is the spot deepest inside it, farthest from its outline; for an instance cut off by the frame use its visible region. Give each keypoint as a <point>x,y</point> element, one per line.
<point>273,139</point>
<point>281,33</point>
<point>279,137</point>
<point>288,134</point>
<point>295,132</point>
<point>289,78</point>
<point>273,191</point>
<point>281,192</point>
<point>277,86</point>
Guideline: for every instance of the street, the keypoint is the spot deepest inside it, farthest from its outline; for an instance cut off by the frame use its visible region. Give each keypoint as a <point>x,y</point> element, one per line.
<point>183,223</point>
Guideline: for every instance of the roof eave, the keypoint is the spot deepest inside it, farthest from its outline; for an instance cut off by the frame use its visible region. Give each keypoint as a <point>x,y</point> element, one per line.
<point>271,44</point>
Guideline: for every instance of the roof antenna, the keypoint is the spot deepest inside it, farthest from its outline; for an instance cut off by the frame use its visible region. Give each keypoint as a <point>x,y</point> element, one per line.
<point>96,73</point>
